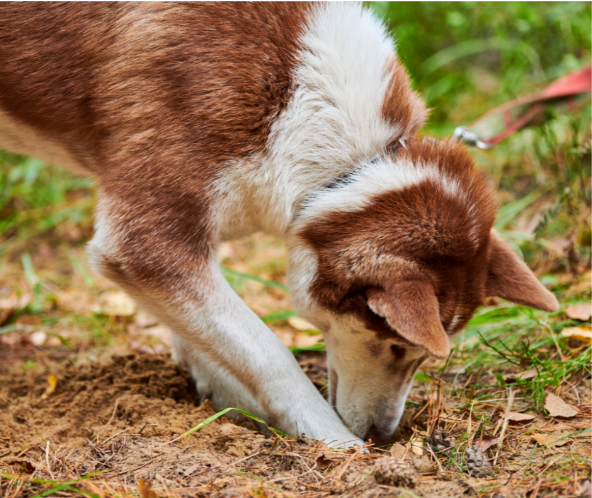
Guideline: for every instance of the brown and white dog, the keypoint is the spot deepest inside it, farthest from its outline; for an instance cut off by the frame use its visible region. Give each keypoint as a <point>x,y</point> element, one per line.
<point>203,123</point>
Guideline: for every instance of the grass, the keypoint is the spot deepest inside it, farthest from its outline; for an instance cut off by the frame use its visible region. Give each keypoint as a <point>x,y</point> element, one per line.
<point>465,58</point>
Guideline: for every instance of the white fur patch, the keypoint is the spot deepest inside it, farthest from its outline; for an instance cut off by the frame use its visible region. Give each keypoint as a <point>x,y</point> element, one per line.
<point>381,176</point>
<point>332,124</point>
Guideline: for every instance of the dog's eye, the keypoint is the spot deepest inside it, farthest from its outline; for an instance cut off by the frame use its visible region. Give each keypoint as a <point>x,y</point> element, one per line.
<point>398,351</point>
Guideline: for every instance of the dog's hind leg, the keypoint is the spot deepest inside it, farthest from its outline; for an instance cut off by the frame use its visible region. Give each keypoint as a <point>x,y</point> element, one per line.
<point>233,356</point>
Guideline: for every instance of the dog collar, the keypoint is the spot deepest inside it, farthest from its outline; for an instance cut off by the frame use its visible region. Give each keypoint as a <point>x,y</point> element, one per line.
<point>394,150</point>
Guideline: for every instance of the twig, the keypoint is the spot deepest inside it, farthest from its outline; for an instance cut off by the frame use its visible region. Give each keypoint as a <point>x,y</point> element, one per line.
<point>110,420</point>
<point>26,450</point>
<point>504,425</point>
<point>114,435</point>
<point>305,464</point>
<point>435,458</point>
<point>47,459</point>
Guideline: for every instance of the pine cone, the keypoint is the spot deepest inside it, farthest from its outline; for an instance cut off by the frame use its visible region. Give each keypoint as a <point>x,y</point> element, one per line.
<point>394,472</point>
<point>477,463</point>
<point>441,440</point>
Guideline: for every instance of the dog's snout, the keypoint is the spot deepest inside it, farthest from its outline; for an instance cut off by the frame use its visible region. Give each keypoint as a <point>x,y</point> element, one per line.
<point>378,437</point>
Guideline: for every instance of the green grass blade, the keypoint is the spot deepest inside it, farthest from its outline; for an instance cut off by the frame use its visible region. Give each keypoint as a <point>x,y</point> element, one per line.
<point>269,283</point>
<point>314,347</point>
<point>277,317</point>
<point>224,412</point>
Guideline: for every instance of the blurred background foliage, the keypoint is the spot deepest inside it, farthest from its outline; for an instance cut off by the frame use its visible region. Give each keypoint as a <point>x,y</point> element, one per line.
<point>468,57</point>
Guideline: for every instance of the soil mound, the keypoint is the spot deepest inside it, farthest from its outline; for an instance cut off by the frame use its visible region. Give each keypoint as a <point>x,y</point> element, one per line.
<point>120,417</point>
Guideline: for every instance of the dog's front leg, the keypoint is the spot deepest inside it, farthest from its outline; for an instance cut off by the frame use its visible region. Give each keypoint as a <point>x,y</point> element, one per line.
<point>232,355</point>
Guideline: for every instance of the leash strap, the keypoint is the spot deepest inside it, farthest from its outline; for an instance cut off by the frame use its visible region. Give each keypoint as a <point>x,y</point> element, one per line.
<point>508,118</point>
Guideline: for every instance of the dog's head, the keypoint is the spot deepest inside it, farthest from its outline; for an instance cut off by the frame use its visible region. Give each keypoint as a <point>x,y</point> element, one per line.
<point>390,263</point>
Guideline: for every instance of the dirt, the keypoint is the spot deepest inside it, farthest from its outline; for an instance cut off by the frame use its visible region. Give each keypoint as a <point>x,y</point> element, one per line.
<point>120,417</point>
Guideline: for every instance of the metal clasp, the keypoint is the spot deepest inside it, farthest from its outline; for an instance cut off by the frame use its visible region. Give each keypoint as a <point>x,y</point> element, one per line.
<point>462,133</point>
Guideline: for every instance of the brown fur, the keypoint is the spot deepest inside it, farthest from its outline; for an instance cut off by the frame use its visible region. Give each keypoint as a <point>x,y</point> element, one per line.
<point>402,106</point>
<point>508,277</point>
<point>155,99</point>
<point>425,228</point>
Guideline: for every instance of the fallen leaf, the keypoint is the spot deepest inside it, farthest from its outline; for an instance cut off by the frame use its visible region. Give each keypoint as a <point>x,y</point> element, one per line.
<point>486,441</point>
<point>53,383</point>
<point>582,334</point>
<point>304,340</point>
<point>549,439</point>
<point>23,466</point>
<point>117,303</point>
<point>585,489</point>
<point>28,320</point>
<point>300,323</point>
<point>417,448</point>
<point>52,380</point>
<point>526,375</point>
<point>5,314</point>
<point>581,311</point>
<point>398,451</point>
<point>558,408</point>
<point>190,470</point>
<point>145,489</point>
<point>519,418</point>
<point>323,462</point>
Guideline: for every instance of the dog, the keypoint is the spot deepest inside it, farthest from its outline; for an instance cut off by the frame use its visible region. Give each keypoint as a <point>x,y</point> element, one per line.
<point>203,123</point>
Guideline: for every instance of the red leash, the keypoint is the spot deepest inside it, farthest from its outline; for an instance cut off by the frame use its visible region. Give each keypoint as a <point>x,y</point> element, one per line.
<point>506,119</point>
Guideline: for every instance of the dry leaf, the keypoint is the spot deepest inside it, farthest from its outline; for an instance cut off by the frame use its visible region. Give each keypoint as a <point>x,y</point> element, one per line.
<point>5,314</point>
<point>519,418</point>
<point>300,323</point>
<point>22,465</point>
<point>323,462</point>
<point>417,448</point>
<point>52,380</point>
<point>558,408</point>
<point>585,489</point>
<point>53,383</point>
<point>305,340</point>
<point>117,303</point>
<point>581,311</point>
<point>28,320</point>
<point>486,441</point>
<point>526,375</point>
<point>549,439</point>
<point>582,334</point>
<point>398,451</point>
<point>145,489</point>
<point>190,470</point>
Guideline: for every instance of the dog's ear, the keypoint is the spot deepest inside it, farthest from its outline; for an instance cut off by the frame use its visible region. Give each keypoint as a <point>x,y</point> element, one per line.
<point>508,277</point>
<point>411,308</point>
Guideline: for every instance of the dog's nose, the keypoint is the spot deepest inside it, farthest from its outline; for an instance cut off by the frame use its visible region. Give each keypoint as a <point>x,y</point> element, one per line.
<point>379,438</point>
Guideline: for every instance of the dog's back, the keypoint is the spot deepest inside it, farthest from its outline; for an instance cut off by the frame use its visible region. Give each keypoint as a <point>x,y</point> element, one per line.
<point>99,80</point>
